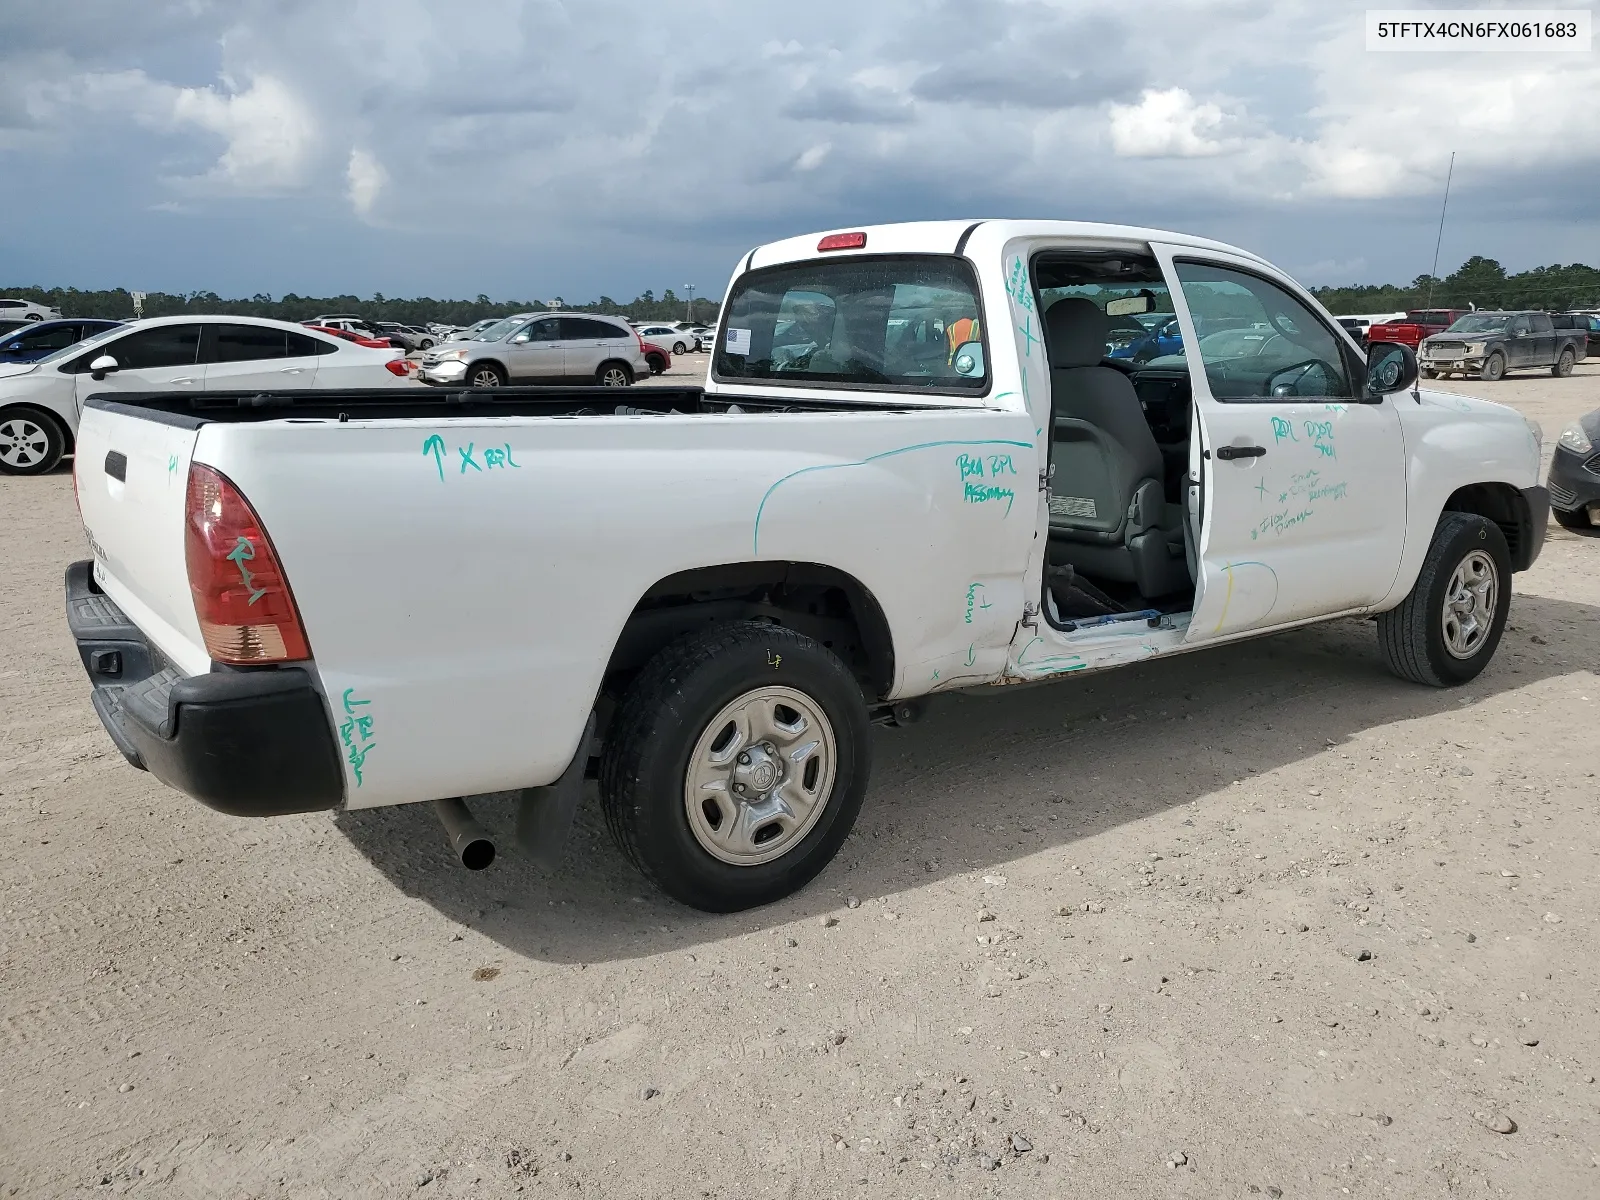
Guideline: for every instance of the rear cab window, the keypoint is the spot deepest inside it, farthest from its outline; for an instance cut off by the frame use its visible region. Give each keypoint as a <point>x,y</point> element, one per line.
<point>909,323</point>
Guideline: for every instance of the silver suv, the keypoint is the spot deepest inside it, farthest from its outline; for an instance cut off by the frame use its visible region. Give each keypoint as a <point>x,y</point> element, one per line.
<point>541,348</point>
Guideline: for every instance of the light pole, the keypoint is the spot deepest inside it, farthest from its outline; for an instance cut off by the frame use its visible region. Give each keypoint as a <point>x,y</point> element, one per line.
<point>689,304</point>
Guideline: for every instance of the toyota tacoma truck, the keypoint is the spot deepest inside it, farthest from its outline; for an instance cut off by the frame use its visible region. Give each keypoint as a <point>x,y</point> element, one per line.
<point>1488,344</point>
<point>913,469</point>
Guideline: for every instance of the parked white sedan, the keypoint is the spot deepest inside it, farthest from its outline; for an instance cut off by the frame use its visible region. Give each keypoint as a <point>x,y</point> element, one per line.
<point>676,341</point>
<point>40,402</point>
<point>27,310</point>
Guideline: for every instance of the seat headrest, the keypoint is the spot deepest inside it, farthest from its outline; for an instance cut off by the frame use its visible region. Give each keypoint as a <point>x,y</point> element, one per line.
<point>1075,333</point>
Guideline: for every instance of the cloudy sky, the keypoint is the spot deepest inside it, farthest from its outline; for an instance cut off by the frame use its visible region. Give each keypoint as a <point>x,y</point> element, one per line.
<point>530,148</point>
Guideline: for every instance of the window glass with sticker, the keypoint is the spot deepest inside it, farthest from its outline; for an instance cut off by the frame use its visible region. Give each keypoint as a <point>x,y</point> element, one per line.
<point>907,322</point>
<point>1258,341</point>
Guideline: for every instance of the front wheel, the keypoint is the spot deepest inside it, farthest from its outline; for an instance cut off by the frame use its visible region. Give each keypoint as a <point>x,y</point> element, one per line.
<point>485,375</point>
<point>1563,366</point>
<point>1447,629</point>
<point>736,765</point>
<point>31,442</point>
<point>1494,367</point>
<point>614,375</point>
<point>1429,373</point>
<point>1577,519</point>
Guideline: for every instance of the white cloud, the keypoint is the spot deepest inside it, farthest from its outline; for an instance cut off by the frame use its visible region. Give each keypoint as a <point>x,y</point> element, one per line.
<point>365,177</point>
<point>1165,124</point>
<point>271,133</point>
<point>813,157</point>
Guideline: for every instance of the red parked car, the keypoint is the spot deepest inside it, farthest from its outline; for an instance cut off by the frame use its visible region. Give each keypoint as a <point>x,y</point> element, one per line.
<point>1419,323</point>
<point>358,339</point>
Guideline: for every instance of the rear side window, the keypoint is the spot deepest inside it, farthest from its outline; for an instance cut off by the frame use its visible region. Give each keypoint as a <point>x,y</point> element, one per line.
<point>304,346</point>
<point>858,323</point>
<point>245,343</point>
<point>589,329</point>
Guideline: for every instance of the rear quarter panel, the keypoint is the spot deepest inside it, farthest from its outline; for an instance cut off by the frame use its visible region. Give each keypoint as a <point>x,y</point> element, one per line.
<point>469,607</point>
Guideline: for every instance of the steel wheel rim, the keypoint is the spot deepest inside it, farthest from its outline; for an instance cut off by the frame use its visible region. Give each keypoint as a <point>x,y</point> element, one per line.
<point>614,378</point>
<point>23,443</point>
<point>486,378</point>
<point>677,348</point>
<point>1469,604</point>
<point>760,776</point>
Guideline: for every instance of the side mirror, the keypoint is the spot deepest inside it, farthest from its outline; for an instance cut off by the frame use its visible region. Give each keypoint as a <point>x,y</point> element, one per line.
<point>102,366</point>
<point>968,360</point>
<point>520,340</point>
<point>1391,367</point>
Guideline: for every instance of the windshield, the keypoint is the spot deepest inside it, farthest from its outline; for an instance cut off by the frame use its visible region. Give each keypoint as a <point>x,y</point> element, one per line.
<point>498,330</point>
<point>105,335</point>
<point>1480,323</point>
<point>911,322</point>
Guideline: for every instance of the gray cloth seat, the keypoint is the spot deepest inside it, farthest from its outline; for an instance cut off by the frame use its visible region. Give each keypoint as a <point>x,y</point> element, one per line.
<point>1108,511</point>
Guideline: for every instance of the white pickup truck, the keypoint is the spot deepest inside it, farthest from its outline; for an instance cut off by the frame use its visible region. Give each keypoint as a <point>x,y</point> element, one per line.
<point>923,461</point>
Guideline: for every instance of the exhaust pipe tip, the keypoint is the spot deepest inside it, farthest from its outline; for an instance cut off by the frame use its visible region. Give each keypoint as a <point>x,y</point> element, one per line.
<point>472,844</point>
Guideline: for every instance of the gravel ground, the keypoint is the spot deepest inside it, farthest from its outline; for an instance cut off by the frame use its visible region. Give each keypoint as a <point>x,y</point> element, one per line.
<point>1259,921</point>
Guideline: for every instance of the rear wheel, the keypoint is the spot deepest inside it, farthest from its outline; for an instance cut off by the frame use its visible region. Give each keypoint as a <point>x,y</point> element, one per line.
<point>736,765</point>
<point>31,442</point>
<point>33,317</point>
<point>614,374</point>
<point>1563,366</point>
<point>485,375</point>
<point>678,348</point>
<point>1447,629</point>
<point>425,344</point>
<point>1494,367</point>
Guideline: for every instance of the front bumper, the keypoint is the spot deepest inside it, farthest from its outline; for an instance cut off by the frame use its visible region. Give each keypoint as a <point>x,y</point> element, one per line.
<point>1472,363</point>
<point>1574,480</point>
<point>452,371</point>
<point>251,743</point>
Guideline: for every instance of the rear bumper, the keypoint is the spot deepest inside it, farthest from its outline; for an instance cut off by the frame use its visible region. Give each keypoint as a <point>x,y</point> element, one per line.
<point>252,743</point>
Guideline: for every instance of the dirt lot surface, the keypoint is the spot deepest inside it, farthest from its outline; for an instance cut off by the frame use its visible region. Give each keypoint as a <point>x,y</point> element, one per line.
<point>1260,921</point>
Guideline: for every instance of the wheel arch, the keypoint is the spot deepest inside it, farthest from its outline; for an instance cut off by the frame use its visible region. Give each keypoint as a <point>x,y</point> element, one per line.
<point>1510,509</point>
<point>489,362</point>
<point>824,603</point>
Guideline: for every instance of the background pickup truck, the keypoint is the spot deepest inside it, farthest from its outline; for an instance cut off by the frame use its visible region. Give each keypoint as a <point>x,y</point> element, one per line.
<point>1488,344</point>
<point>1418,324</point>
<point>914,468</point>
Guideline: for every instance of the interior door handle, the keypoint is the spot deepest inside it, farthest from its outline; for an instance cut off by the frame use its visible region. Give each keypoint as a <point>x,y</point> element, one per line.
<point>1230,452</point>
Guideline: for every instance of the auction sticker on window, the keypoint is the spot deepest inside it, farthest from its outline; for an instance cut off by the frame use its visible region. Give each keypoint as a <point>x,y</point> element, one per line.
<point>739,341</point>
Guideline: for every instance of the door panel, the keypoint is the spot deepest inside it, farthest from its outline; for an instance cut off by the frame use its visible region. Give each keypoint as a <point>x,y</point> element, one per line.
<point>589,343</point>
<point>542,356</point>
<point>1301,496</point>
<point>240,357</point>
<point>166,357</point>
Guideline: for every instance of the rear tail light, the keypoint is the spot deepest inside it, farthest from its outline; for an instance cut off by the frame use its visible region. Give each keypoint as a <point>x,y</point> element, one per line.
<point>246,610</point>
<point>843,241</point>
<point>397,366</point>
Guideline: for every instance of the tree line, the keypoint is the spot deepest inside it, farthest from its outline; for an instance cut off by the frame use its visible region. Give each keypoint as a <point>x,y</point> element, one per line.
<point>117,304</point>
<point>1479,282</point>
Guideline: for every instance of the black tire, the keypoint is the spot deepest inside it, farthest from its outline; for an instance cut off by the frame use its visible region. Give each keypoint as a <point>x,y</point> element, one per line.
<point>614,374</point>
<point>486,375</point>
<point>425,344</point>
<point>1577,519</point>
<point>678,348</point>
<point>31,441</point>
<point>658,363</point>
<point>34,317</point>
<point>1429,373</point>
<point>1413,635</point>
<point>1563,366</point>
<point>1494,368</point>
<point>661,720</point>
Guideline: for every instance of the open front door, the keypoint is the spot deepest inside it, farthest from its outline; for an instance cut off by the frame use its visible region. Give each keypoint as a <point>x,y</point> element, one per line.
<point>1296,477</point>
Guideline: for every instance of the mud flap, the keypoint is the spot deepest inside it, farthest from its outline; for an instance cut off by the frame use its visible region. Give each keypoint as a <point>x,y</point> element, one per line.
<point>545,814</point>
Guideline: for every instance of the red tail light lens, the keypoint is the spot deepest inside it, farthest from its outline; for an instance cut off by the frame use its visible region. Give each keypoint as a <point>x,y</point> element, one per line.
<point>246,610</point>
<point>843,241</point>
<point>397,366</point>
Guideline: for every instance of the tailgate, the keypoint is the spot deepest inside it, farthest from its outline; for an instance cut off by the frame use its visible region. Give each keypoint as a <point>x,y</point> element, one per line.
<point>132,478</point>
